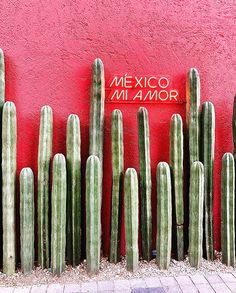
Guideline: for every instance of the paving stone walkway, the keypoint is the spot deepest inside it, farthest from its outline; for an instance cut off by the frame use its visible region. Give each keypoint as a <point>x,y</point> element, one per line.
<point>219,283</point>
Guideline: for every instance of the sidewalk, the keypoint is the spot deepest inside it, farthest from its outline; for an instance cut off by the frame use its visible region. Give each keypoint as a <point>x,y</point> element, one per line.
<point>209,283</point>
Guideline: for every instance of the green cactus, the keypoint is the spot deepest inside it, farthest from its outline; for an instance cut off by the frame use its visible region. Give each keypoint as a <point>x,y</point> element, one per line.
<point>58,236</point>
<point>234,127</point>
<point>145,182</point>
<point>176,166</point>
<point>164,216</point>
<point>117,181</point>
<point>196,196</point>
<point>9,134</point>
<point>73,158</point>
<point>131,218</point>
<point>193,114</point>
<point>27,219</point>
<point>93,213</point>
<point>44,158</point>
<point>97,111</point>
<point>208,149</point>
<point>228,209</point>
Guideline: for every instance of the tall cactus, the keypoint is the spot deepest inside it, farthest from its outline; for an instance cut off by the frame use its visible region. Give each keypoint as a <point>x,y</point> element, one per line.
<point>145,183</point>
<point>234,127</point>
<point>73,157</point>
<point>196,196</point>
<point>58,236</point>
<point>97,111</point>
<point>208,150</point>
<point>193,114</point>
<point>176,166</point>
<point>27,219</point>
<point>164,215</point>
<point>228,209</point>
<point>44,158</point>
<point>131,218</point>
<point>93,213</point>
<point>117,181</point>
<point>9,134</point>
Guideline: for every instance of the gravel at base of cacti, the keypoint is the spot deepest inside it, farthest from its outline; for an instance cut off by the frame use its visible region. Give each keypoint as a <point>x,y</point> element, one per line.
<point>110,271</point>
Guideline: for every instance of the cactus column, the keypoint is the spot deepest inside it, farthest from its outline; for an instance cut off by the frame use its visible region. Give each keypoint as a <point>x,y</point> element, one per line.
<point>193,114</point>
<point>228,209</point>
<point>27,219</point>
<point>117,181</point>
<point>93,213</point>
<point>196,195</point>
<point>73,158</point>
<point>208,149</point>
<point>164,215</point>
<point>97,111</point>
<point>145,183</point>
<point>234,127</point>
<point>8,185</point>
<point>131,218</point>
<point>176,165</point>
<point>58,237</point>
<point>44,157</point>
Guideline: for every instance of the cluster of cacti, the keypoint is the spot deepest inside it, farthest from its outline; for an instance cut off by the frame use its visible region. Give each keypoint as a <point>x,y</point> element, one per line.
<point>164,215</point>
<point>73,160</point>
<point>62,215</point>
<point>93,213</point>
<point>131,218</point>
<point>176,166</point>
<point>44,158</point>
<point>117,146</point>
<point>145,183</point>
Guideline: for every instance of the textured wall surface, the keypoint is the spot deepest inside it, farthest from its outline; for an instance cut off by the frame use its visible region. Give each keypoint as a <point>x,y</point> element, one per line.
<point>50,46</point>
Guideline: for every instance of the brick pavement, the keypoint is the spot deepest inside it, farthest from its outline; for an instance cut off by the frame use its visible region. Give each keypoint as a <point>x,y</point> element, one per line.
<point>208,283</point>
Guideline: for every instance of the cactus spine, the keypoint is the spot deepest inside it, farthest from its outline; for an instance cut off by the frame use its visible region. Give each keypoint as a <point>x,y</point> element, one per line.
<point>27,219</point>
<point>73,156</point>
<point>193,114</point>
<point>176,166</point>
<point>145,182</point>
<point>97,111</point>
<point>228,209</point>
<point>8,185</point>
<point>58,237</point>
<point>44,157</point>
<point>93,213</point>
<point>234,127</point>
<point>131,218</point>
<point>164,216</point>
<point>196,196</point>
<point>117,181</point>
<point>208,149</point>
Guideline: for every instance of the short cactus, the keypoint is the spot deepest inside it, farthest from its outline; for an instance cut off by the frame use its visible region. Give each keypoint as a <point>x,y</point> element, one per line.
<point>9,134</point>
<point>2,80</point>
<point>228,209</point>
<point>27,219</point>
<point>164,216</point>
<point>193,114</point>
<point>196,195</point>
<point>73,158</point>
<point>145,183</point>
<point>131,218</point>
<point>117,182</point>
<point>208,150</point>
<point>58,234</point>
<point>93,213</point>
<point>44,158</point>
<point>176,166</point>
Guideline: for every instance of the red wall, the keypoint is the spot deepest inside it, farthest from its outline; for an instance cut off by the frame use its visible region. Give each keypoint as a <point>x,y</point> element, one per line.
<point>50,46</point>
